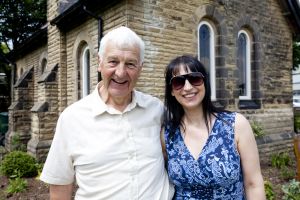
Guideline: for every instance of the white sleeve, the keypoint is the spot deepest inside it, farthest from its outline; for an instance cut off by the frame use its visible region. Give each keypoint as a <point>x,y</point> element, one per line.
<point>58,168</point>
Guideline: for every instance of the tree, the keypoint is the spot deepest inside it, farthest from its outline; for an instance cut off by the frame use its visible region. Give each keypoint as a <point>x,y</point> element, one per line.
<point>19,19</point>
<point>5,79</point>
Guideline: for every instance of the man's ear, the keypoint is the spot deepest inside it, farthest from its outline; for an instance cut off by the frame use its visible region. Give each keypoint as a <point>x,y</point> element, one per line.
<point>99,64</point>
<point>141,68</point>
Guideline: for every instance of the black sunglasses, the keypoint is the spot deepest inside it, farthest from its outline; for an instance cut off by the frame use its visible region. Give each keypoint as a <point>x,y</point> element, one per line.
<point>195,78</point>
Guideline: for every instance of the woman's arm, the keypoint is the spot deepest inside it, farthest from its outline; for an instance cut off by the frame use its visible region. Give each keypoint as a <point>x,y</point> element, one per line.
<point>246,144</point>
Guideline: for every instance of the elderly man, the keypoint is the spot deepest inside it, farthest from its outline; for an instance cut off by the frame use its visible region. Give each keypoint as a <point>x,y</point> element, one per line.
<point>109,141</point>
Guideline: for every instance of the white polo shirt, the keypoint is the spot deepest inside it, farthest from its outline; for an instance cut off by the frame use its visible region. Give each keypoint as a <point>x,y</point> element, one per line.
<point>113,155</point>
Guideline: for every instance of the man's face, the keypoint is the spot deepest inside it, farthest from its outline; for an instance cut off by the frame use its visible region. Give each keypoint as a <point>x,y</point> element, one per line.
<point>120,68</point>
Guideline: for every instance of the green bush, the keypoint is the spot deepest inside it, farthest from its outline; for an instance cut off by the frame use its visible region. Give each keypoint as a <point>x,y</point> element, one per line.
<point>286,173</point>
<point>270,195</point>
<point>257,129</point>
<point>16,143</point>
<point>291,190</point>
<point>18,164</point>
<point>16,185</point>
<point>280,160</point>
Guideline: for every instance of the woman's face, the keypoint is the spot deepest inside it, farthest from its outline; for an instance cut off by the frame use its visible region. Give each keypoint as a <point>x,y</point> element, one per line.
<point>189,96</point>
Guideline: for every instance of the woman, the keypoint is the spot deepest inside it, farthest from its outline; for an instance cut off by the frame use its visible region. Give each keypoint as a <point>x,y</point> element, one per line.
<point>211,153</point>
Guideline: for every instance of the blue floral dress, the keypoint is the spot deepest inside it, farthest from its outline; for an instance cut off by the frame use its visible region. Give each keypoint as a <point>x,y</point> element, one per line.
<point>217,173</point>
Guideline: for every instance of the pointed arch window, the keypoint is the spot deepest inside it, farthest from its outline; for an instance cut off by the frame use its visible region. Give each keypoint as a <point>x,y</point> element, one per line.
<point>244,65</point>
<point>43,65</point>
<point>21,72</point>
<point>86,71</point>
<point>206,52</point>
<point>83,78</point>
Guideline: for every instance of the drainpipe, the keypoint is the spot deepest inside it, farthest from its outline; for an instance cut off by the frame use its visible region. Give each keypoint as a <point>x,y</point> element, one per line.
<point>12,80</point>
<point>100,29</point>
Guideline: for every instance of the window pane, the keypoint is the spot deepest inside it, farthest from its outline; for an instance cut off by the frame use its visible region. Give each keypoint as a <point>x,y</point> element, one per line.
<point>44,65</point>
<point>86,73</point>
<point>242,63</point>
<point>204,35</point>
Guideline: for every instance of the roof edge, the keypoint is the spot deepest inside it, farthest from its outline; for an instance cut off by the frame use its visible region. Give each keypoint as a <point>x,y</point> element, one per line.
<point>35,40</point>
<point>72,9</point>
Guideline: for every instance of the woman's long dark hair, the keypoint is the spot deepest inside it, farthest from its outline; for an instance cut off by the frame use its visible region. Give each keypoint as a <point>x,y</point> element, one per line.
<point>174,111</point>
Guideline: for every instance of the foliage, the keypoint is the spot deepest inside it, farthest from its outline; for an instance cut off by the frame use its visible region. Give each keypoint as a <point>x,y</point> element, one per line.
<point>19,19</point>
<point>257,129</point>
<point>18,164</point>
<point>16,143</point>
<point>280,160</point>
<point>296,54</point>
<point>5,87</point>
<point>4,48</point>
<point>16,185</point>
<point>291,190</point>
<point>270,195</point>
<point>5,81</point>
<point>3,151</point>
<point>39,167</point>
<point>287,173</point>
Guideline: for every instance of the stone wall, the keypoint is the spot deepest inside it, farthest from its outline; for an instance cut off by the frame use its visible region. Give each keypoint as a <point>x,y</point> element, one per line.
<point>169,28</point>
<point>88,33</point>
<point>24,95</point>
<point>51,89</point>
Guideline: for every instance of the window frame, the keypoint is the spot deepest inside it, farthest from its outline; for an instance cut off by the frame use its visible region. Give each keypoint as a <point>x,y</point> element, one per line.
<point>85,71</point>
<point>212,66</point>
<point>248,95</point>
<point>44,65</point>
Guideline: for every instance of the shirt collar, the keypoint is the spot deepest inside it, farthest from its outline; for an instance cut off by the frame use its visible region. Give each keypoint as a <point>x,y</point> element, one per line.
<point>98,106</point>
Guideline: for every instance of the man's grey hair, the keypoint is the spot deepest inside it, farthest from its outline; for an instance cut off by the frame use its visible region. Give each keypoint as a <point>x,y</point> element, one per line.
<point>122,36</point>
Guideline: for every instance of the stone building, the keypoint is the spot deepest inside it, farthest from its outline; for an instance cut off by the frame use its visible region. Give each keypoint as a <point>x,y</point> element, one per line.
<point>245,45</point>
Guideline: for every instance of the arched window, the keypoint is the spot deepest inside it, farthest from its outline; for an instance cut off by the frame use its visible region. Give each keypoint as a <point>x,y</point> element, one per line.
<point>43,65</point>
<point>21,72</point>
<point>244,65</point>
<point>84,72</point>
<point>206,52</point>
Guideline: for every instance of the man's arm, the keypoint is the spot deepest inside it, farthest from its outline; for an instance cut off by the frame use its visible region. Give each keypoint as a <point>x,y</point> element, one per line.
<point>61,192</point>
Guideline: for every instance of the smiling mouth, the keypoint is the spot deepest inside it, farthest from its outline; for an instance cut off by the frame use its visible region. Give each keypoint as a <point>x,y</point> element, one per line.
<point>189,95</point>
<point>119,82</point>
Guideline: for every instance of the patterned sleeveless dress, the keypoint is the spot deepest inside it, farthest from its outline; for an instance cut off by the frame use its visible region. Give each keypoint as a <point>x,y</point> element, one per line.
<point>217,174</point>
